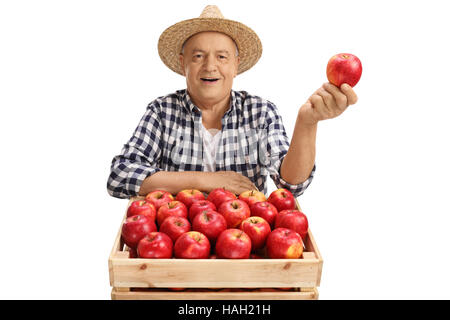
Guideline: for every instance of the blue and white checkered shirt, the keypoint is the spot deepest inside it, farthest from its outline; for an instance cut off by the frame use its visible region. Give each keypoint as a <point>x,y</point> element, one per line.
<point>168,138</point>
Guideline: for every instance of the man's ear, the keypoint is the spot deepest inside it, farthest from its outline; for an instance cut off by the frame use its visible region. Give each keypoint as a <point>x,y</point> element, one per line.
<point>238,61</point>
<point>182,64</point>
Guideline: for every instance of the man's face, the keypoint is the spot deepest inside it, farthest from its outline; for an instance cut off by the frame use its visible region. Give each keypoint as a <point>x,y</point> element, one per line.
<point>210,64</point>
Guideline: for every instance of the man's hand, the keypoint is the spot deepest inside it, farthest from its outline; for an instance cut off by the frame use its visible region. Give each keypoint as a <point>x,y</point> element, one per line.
<point>327,102</point>
<point>174,182</point>
<point>230,180</point>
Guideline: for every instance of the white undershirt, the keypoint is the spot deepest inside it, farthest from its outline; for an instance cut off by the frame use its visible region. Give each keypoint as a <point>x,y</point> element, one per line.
<point>211,139</point>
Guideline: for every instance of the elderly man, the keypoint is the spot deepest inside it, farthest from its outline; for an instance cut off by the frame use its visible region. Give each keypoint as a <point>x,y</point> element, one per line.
<point>208,135</point>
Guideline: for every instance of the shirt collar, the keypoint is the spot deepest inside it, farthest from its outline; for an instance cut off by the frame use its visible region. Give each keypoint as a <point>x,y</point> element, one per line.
<point>191,107</point>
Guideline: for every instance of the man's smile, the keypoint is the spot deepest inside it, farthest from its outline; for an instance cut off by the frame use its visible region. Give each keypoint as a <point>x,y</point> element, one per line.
<point>210,80</point>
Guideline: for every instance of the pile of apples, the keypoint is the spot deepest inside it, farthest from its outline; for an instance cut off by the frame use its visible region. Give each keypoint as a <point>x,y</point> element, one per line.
<point>219,225</point>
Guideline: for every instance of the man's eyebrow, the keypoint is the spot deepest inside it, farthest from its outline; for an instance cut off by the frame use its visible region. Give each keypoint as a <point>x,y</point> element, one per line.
<point>218,51</point>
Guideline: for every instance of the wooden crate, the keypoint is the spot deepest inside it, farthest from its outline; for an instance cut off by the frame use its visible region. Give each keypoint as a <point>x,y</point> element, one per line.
<point>214,279</point>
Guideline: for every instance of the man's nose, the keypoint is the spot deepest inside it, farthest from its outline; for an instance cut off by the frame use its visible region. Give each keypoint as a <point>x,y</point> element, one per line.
<point>210,64</point>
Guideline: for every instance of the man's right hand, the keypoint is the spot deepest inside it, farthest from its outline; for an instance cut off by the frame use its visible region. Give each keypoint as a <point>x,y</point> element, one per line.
<point>230,180</point>
<point>174,182</point>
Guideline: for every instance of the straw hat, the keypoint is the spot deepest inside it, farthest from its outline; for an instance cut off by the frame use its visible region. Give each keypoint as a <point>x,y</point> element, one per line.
<point>172,39</point>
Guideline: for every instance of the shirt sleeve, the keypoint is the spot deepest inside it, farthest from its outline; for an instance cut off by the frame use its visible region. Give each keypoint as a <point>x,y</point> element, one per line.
<point>139,157</point>
<point>277,148</point>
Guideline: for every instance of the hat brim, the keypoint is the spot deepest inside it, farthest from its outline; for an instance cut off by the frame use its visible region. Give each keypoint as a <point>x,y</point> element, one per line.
<point>172,39</point>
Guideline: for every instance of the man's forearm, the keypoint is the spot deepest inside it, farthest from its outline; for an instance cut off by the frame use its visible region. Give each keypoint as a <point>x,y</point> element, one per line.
<point>172,182</point>
<point>299,161</point>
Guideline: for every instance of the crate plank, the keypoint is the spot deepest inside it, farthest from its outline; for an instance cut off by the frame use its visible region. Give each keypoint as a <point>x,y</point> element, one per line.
<point>215,273</point>
<point>208,295</point>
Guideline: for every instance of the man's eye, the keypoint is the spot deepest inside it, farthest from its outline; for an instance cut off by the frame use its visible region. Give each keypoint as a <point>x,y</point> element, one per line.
<point>222,57</point>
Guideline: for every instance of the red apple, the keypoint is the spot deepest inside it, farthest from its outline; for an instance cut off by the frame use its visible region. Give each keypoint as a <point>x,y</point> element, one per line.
<point>257,229</point>
<point>133,253</point>
<point>293,219</point>
<point>200,206</point>
<point>172,208</point>
<point>189,196</point>
<point>156,245</point>
<point>282,199</point>
<point>233,244</point>
<point>234,212</point>
<point>252,196</point>
<point>175,226</point>
<point>142,207</point>
<point>135,228</point>
<point>158,198</point>
<point>192,245</point>
<point>220,195</point>
<point>283,243</point>
<point>344,68</point>
<point>265,210</point>
<point>210,223</point>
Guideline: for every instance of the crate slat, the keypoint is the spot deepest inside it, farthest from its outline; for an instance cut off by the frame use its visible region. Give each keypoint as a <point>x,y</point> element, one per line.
<point>208,295</point>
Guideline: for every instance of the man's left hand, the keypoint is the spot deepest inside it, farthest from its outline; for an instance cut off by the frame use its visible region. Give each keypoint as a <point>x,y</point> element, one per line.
<point>327,102</point>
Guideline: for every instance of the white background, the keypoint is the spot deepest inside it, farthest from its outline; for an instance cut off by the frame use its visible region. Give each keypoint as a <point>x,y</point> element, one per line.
<point>76,77</point>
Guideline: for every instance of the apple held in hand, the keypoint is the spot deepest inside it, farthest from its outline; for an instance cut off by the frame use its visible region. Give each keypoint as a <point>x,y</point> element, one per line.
<point>175,226</point>
<point>171,209</point>
<point>210,223</point>
<point>344,68</point>
<point>135,228</point>
<point>233,244</point>
<point>192,245</point>
<point>282,199</point>
<point>294,220</point>
<point>200,206</point>
<point>252,196</point>
<point>257,229</point>
<point>189,196</point>
<point>219,196</point>
<point>265,210</point>
<point>158,198</point>
<point>234,212</point>
<point>283,243</point>
<point>142,207</point>
<point>155,245</point>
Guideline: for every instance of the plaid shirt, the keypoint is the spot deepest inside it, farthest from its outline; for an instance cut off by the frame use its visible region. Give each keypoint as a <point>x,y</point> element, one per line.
<point>253,143</point>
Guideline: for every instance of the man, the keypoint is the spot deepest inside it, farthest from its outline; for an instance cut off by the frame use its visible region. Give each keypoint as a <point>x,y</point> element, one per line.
<point>209,136</point>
